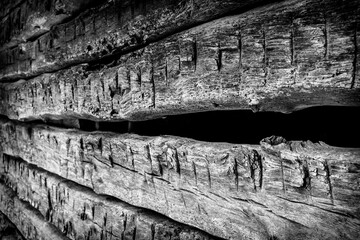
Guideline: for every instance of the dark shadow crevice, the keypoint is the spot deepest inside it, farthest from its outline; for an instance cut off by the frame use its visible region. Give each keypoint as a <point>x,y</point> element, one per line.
<point>336,126</point>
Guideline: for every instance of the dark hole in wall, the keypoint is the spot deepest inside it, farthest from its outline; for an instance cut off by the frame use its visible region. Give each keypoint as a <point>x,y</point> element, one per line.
<point>337,126</point>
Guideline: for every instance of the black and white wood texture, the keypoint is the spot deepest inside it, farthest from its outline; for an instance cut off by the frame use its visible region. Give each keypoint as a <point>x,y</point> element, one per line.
<point>65,61</point>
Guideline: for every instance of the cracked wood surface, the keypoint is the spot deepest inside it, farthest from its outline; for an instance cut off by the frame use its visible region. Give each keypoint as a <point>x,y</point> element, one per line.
<point>287,190</point>
<point>282,57</point>
<point>27,220</point>
<point>115,27</point>
<point>80,213</point>
<point>23,20</point>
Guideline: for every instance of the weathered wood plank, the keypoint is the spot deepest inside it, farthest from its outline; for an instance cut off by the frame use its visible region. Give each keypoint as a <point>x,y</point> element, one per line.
<point>200,69</point>
<point>28,220</point>
<point>78,212</point>
<point>8,230</point>
<point>231,191</point>
<point>25,20</point>
<point>6,6</point>
<point>118,26</point>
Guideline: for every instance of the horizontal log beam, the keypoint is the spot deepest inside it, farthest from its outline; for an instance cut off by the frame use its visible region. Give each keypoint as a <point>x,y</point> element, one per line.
<point>80,213</point>
<point>21,21</point>
<point>265,60</point>
<point>228,190</point>
<point>116,27</point>
<point>28,220</point>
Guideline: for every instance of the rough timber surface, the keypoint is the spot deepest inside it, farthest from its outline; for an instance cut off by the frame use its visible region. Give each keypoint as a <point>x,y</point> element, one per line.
<point>80,213</point>
<point>115,27</point>
<point>275,190</point>
<point>22,20</point>
<point>8,230</point>
<point>28,221</point>
<point>281,57</point>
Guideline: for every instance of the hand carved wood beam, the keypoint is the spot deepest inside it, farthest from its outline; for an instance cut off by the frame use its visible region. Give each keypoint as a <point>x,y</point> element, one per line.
<point>278,189</point>
<point>81,213</point>
<point>24,20</point>
<point>28,221</point>
<point>281,57</point>
<point>112,28</point>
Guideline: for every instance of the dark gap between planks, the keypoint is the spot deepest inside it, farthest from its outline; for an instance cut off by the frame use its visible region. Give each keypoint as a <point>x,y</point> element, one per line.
<point>336,126</point>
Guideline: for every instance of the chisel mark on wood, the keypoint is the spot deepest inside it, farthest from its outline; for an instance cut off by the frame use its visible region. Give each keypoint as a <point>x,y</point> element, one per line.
<point>102,85</point>
<point>148,156</point>
<point>81,150</point>
<point>125,222</point>
<point>195,54</point>
<point>100,145</point>
<point>117,80</point>
<point>219,58</point>
<point>167,202</point>
<point>152,227</point>
<point>49,211</point>
<point>152,81</point>
<point>177,162</point>
<point>328,179</point>
<point>209,174</point>
<point>93,211</point>
<point>183,199</point>
<point>307,178</point>
<point>161,171</point>
<point>139,79</point>
<point>128,79</point>
<point>99,103</point>
<point>134,234</point>
<point>130,156</point>
<point>261,171</point>
<point>166,73</point>
<point>236,173</point>
<point>32,96</point>
<point>256,169</point>
<point>68,141</point>
<point>194,170</point>
<point>282,175</point>
<point>111,161</point>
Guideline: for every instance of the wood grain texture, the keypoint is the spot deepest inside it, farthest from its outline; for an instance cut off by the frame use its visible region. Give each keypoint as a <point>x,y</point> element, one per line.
<point>80,213</point>
<point>287,190</point>
<point>270,59</point>
<point>8,230</point>
<point>28,221</point>
<point>21,21</point>
<point>115,27</point>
